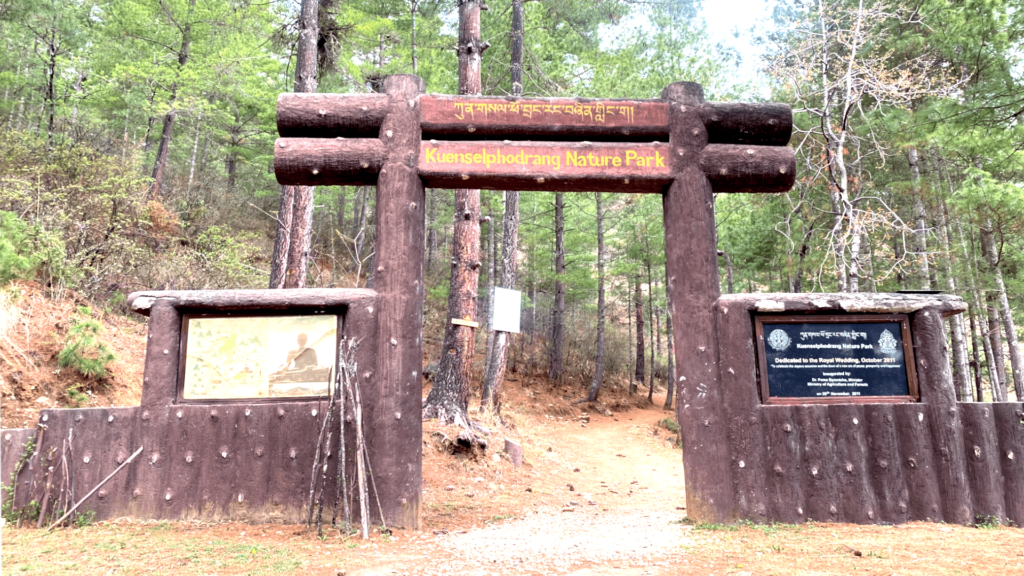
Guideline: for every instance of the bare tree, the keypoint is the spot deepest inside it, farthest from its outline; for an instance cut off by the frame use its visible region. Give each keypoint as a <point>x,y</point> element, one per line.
<point>843,52</point>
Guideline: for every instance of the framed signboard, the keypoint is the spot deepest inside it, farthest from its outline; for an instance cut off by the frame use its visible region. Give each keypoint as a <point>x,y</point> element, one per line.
<point>257,356</point>
<point>860,358</point>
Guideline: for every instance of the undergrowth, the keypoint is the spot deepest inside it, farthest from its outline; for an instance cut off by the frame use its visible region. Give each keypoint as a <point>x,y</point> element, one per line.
<point>83,350</point>
<point>7,510</point>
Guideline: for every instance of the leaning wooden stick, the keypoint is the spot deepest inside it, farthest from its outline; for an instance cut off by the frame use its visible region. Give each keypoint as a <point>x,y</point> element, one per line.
<point>323,476</point>
<point>339,493</point>
<point>364,508</point>
<point>313,474</point>
<point>366,455</point>
<point>93,491</point>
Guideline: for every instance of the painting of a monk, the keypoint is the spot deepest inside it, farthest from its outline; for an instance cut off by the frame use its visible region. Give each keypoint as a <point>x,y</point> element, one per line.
<point>239,357</point>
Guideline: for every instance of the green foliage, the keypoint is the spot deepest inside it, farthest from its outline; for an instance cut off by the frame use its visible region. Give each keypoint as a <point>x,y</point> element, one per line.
<point>716,527</point>
<point>25,249</point>
<point>76,398</point>
<point>227,255</point>
<point>83,350</point>
<point>84,518</point>
<point>669,424</point>
<point>987,522</point>
<point>17,260</point>
<point>7,510</point>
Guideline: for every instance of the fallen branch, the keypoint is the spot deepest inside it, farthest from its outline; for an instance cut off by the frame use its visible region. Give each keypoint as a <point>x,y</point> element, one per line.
<point>93,491</point>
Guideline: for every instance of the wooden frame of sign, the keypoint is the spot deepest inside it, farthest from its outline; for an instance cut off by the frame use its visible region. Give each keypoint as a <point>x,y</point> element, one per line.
<point>188,316</point>
<point>838,375</point>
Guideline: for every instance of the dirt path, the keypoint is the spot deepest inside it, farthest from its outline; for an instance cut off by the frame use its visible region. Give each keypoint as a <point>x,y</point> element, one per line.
<point>604,493</point>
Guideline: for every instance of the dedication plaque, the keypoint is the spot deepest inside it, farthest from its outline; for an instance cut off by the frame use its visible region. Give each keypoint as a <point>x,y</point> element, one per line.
<point>835,358</point>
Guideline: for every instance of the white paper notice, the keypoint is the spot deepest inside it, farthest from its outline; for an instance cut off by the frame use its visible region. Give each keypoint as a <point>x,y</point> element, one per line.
<point>507,306</point>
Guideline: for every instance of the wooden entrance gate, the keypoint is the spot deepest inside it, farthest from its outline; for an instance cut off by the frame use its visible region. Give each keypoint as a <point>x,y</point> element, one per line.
<point>680,146</point>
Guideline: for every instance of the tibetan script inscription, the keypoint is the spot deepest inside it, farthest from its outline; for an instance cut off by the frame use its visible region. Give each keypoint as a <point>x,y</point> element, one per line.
<point>597,112</point>
<point>501,116</point>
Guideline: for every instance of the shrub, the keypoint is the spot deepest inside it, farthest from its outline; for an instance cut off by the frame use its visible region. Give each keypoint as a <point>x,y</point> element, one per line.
<point>75,396</point>
<point>24,248</point>
<point>14,263</point>
<point>83,349</point>
<point>669,424</point>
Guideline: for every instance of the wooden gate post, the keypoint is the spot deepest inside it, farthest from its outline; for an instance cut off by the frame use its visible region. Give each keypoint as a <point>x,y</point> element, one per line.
<point>398,279</point>
<point>692,262</point>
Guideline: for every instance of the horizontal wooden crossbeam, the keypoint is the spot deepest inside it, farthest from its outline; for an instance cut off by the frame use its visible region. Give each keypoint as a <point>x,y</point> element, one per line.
<point>554,166</point>
<point>565,119</point>
<point>330,115</point>
<point>328,162</point>
<point>739,168</point>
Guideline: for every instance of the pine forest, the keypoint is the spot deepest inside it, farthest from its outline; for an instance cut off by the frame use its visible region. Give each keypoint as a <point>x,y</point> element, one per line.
<point>137,154</point>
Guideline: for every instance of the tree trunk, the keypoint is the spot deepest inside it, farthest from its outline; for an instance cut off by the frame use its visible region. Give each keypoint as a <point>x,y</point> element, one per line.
<point>301,238</point>
<point>289,263</point>
<point>670,392</point>
<point>638,306</point>
<point>340,223</point>
<point>728,269</point>
<point>976,360</point>
<point>998,379</point>
<point>195,150</point>
<point>993,339</point>
<point>805,247</point>
<point>498,354</point>
<point>431,233</point>
<point>449,397</point>
<point>231,162</point>
<point>974,310</point>
<point>518,28</point>
<point>492,273</point>
<point>1013,347</point>
<point>629,343</point>
<point>413,6</point>
<point>558,309</point>
<point>657,323</point>
<point>595,385</point>
<point>163,151</point>
<point>53,47</point>
<point>359,234</point>
<point>871,265</point>
<point>650,329</point>
<point>991,359</point>
<point>956,322</point>
<point>920,228</point>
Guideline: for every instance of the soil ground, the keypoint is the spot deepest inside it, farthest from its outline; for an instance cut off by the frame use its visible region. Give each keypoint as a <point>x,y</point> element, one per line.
<point>596,495</point>
<point>33,330</point>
